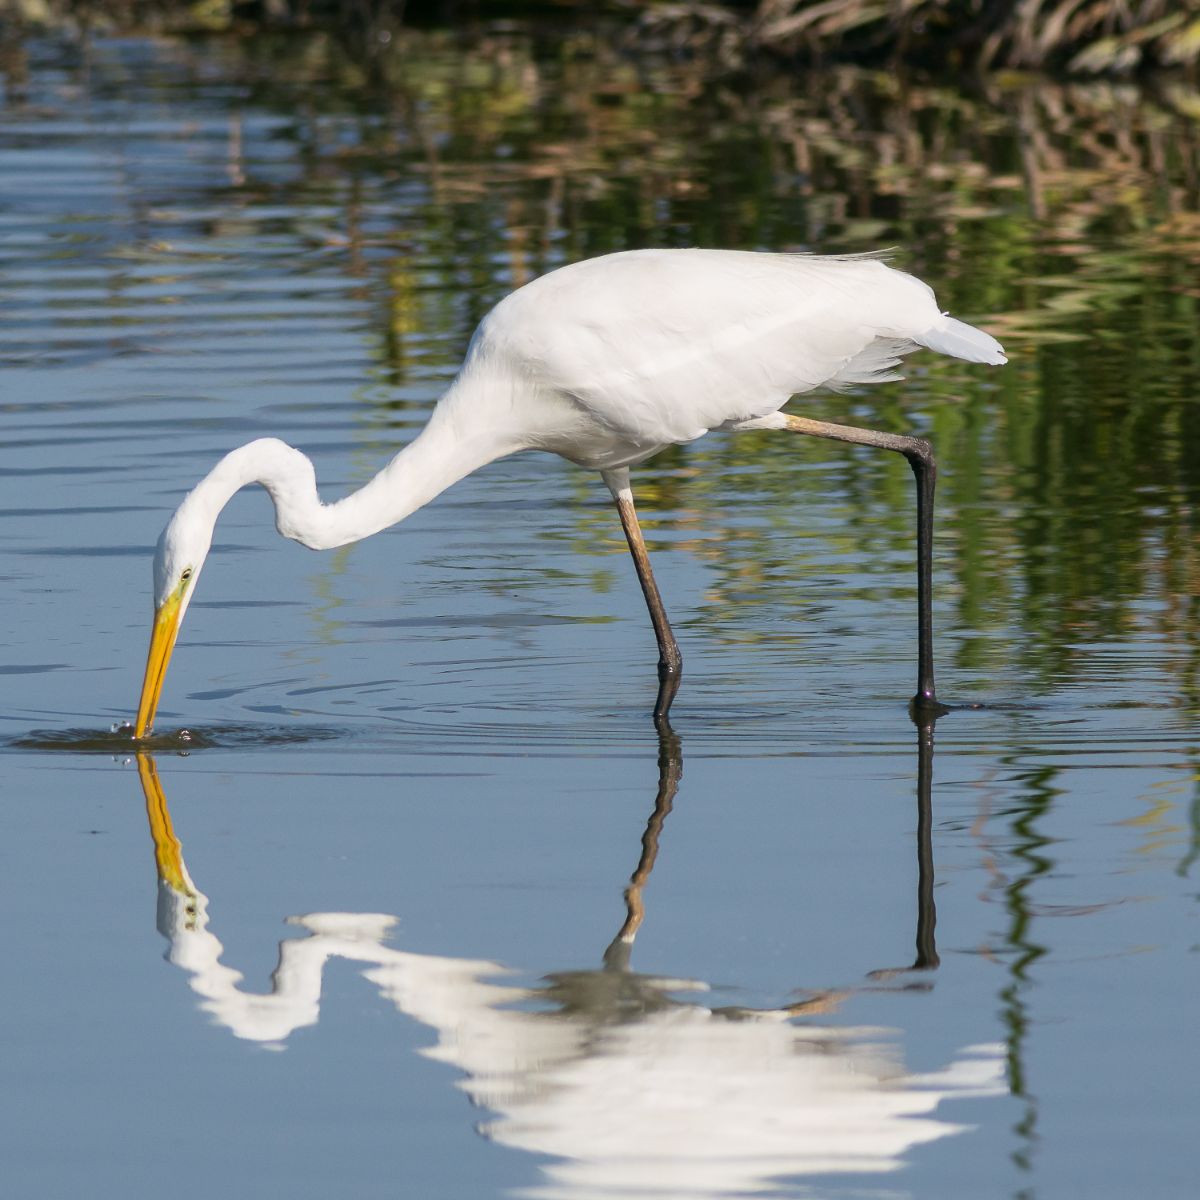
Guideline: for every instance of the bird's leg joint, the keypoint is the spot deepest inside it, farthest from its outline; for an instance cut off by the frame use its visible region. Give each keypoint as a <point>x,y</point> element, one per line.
<point>919,452</point>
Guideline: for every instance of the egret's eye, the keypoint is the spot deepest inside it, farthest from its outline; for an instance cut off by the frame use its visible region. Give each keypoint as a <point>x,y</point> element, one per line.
<point>187,574</point>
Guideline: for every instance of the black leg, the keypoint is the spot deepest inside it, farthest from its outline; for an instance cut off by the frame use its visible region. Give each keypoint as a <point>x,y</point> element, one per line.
<point>921,459</point>
<point>919,454</point>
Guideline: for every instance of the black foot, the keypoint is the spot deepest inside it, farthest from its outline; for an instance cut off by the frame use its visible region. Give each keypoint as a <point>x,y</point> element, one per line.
<point>925,707</point>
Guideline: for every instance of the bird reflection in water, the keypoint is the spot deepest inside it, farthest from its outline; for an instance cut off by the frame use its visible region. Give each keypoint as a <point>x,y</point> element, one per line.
<point>628,1087</point>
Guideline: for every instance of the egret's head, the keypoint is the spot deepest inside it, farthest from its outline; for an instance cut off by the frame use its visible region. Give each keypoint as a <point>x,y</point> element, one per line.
<point>178,559</point>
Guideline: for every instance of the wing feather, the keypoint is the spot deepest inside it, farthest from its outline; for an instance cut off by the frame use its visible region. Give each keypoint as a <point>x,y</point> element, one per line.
<point>660,346</point>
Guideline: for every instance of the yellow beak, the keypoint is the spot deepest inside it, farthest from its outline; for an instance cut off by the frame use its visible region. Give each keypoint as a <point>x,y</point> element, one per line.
<point>162,642</point>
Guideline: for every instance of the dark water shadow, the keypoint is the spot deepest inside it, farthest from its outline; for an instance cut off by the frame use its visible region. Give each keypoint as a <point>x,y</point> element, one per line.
<point>121,741</point>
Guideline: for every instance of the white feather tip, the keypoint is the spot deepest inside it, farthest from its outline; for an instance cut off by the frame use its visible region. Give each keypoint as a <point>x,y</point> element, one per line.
<point>960,340</point>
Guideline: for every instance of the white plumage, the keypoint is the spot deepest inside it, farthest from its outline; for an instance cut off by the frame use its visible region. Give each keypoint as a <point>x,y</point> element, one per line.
<point>605,362</point>
<point>656,347</point>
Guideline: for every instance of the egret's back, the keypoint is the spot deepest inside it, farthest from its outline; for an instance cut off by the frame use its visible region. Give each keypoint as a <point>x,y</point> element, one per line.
<point>659,346</point>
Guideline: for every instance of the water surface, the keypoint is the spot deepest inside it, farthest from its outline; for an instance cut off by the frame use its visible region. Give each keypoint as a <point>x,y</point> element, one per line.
<point>389,866</point>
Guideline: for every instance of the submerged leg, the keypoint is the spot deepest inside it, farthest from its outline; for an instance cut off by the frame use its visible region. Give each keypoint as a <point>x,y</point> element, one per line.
<point>919,454</point>
<point>670,661</point>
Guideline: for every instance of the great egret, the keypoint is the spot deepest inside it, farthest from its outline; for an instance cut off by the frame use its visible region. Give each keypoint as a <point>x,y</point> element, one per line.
<point>605,362</point>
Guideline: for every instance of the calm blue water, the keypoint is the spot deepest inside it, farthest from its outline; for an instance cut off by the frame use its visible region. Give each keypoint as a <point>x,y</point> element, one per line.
<point>359,939</point>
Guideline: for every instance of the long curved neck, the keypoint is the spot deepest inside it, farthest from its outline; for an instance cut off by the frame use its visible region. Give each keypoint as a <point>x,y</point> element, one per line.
<point>446,450</point>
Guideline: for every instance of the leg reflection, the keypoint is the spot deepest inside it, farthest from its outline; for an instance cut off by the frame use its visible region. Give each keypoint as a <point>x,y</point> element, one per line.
<point>927,955</point>
<point>670,771</point>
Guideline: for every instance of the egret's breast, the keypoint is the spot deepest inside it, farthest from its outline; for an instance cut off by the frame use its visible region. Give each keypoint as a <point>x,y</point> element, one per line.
<point>570,427</point>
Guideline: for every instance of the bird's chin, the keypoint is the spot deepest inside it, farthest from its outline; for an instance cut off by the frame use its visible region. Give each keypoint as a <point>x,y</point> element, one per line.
<point>167,618</point>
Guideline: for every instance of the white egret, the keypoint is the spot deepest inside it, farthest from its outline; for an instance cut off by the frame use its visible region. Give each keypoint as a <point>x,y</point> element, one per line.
<point>605,362</point>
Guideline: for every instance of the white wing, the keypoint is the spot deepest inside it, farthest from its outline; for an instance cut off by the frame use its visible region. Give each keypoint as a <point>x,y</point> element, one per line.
<point>659,346</point>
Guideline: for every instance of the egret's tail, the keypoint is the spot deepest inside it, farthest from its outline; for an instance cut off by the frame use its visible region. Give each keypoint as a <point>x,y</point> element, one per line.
<point>961,340</point>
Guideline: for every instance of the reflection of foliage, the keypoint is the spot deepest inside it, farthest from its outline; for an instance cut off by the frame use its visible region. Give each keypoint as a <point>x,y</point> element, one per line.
<point>1022,949</point>
<point>1081,35</point>
<point>1078,35</point>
